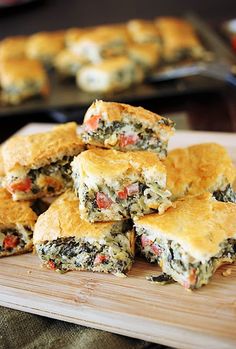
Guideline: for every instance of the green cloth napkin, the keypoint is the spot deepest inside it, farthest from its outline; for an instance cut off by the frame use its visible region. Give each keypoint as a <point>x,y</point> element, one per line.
<point>19,330</point>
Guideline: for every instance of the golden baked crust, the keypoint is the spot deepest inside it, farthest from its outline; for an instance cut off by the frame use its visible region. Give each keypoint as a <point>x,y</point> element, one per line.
<point>198,168</point>
<point>198,223</point>
<point>12,213</point>
<point>147,54</point>
<point>177,34</point>
<point>45,44</point>
<point>68,63</point>
<point>40,149</point>
<point>113,111</point>
<point>62,219</point>
<point>13,47</point>
<point>16,72</point>
<point>103,35</point>
<point>73,35</point>
<point>113,164</point>
<point>143,30</point>
<point>107,75</point>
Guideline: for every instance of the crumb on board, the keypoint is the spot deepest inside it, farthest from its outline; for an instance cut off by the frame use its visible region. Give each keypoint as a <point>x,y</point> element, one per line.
<point>29,271</point>
<point>227,272</point>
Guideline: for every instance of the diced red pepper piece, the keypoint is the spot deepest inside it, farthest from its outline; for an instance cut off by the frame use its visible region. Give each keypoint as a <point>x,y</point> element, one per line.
<point>52,265</point>
<point>233,41</point>
<point>191,279</point>
<point>145,241</point>
<point>92,123</point>
<point>156,250</point>
<point>10,241</point>
<point>122,194</point>
<point>103,201</point>
<point>132,189</point>
<point>100,259</point>
<point>23,185</point>
<point>125,140</point>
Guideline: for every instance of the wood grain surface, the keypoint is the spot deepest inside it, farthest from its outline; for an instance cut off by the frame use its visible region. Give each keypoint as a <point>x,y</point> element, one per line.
<point>131,306</point>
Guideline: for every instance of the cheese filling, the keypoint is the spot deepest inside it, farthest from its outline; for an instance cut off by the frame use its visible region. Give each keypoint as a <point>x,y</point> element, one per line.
<point>178,264</point>
<point>127,135</point>
<point>50,179</point>
<point>121,199</point>
<point>114,255</point>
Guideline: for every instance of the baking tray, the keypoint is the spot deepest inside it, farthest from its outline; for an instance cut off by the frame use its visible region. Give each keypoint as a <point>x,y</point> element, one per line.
<point>66,100</point>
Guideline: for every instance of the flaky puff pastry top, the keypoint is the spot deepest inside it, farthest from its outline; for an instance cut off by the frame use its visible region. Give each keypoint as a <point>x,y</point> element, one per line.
<point>13,47</point>
<point>37,150</point>
<point>198,223</point>
<point>62,219</point>
<point>45,43</point>
<point>176,34</point>
<point>16,72</point>
<point>113,164</point>
<point>112,111</point>
<point>12,212</point>
<point>198,168</point>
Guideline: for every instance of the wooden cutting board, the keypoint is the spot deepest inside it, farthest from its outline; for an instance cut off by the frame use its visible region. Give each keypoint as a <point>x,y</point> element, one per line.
<point>131,306</point>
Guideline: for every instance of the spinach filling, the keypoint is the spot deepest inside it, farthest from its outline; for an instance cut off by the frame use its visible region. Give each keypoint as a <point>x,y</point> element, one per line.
<point>113,256</point>
<point>133,205</point>
<point>177,263</point>
<point>227,195</point>
<point>60,168</point>
<point>146,137</point>
<point>29,87</point>
<point>12,240</point>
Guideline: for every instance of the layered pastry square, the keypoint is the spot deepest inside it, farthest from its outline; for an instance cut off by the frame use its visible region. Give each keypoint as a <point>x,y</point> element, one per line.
<point>21,79</point>
<point>113,185</point>
<point>99,43</point>
<point>38,165</point>
<point>45,46</point>
<point>146,55</point>
<point>200,168</point>
<point>191,239</point>
<point>13,47</point>
<point>178,39</point>
<point>111,74</point>
<point>143,31</point>
<point>68,63</point>
<point>126,128</point>
<point>64,241</point>
<point>17,222</point>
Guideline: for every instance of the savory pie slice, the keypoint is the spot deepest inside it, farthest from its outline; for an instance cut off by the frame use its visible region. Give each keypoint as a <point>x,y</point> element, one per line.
<point>126,128</point>
<point>21,79</point>
<point>65,242</point>
<point>200,168</point>
<point>45,46</point>
<point>100,43</point>
<point>143,31</point>
<point>39,165</point>
<point>191,239</point>
<point>68,63</point>
<point>17,221</point>
<point>146,55</point>
<point>13,47</point>
<point>112,74</point>
<point>113,185</point>
<point>178,39</point>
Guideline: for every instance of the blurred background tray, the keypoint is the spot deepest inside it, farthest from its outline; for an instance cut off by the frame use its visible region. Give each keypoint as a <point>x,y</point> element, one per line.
<point>66,101</point>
